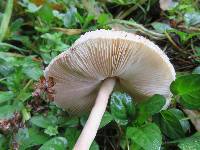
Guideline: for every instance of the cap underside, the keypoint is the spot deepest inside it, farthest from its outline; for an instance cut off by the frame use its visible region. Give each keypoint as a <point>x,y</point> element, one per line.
<point>141,67</point>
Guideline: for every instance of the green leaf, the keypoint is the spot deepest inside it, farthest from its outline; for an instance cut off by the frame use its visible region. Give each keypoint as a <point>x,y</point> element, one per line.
<point>6,19</point>
<point>150,107</point>
<point>5,67</point>
<point>25,114</point>
<point>190,143</point>
<point>187,87</point>
<point>7,111</point>
<point>16,25</point>
<point>135,146</point>
<point>122,107</point>
<point>44,122</point>
<point>23,95</point>
<point>30,137</point>
<point>94,146</point>
<point>32,8</point>
<point>33,72</point>
<point>83,119</point>
<point>87,20</point>
<point>103,19</point>
<point>32,69</point>
<point>3,142</point>
<point>71,135</point>
<point>192,18</point>
<point>161,27</point>
<point>56,143</point>
<point>50,130</point>
<point>70,17</point>
<point>148,137</point>
<point>123,142</point>
<point>46,13</point>
<point>180,116</point>
<point>196,70</point>
<point>69,122</point>
<point>106,119</point>
<point>6,96</point>
<point>169,124</point>
<point>184,37</point>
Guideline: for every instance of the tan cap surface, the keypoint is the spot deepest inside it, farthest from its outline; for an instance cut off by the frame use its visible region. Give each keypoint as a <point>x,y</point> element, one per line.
<point>141,67</point>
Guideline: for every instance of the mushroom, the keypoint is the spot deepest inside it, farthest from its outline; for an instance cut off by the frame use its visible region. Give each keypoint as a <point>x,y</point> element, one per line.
<point>100,60</point>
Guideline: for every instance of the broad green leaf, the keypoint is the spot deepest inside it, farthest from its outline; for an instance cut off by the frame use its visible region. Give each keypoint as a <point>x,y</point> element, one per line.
<point>94,146</point>
<point>190,143</point>
<point>122,107</point>
<point>58,15</point>
<point>3,142</point>
<point>187,87</point>
<point>56,143</point>
<point>103,19</point>
<point>30,137</point>
<point>161,27</point>
<point>87,20</point>
<point>135,146</point>
<point>23,95</point>
<point>106,119</point>
<point>192,18</point>
<point>169,124</point>
<point>32,8</point>
<point>16,25</point>
<point>150,107</point>
<point>180,115</point>
<point>70,17</point>
<point>7,111</point>
<point>33,72</point>
<point>196,70</point>
<point>6,96</point>
<point>69,122</point>
<point>32,69</point>
<point>148,137</point>
<point>5,67</point>
<point>44,121</point>
<point>71,134</point>
<point>46,13</point>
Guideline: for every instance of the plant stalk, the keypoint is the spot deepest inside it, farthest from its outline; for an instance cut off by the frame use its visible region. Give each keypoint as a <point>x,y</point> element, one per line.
<point>90,129</point>
<point>6,19</point>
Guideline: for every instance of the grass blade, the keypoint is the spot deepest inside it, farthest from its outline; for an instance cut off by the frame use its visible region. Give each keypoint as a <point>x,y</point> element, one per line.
<point>6,19</point>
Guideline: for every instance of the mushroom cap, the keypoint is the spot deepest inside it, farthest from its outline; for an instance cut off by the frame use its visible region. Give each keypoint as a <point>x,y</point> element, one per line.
<point>142,69</point>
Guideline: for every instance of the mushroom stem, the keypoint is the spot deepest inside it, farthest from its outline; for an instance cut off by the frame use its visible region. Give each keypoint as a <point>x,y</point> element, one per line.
<point>90,129</point>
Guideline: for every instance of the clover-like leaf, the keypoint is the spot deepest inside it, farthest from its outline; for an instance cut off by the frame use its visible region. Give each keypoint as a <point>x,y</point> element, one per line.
<point>187,87</point>
<point>56,143</point>
<point>148,137</point>
<point>122,107</point>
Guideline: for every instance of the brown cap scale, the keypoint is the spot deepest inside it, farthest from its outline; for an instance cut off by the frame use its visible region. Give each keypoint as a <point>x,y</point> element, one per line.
<point>86,74</point>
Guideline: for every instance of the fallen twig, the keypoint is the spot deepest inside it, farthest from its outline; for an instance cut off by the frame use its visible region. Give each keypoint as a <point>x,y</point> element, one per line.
<point>194,116</point>
<point>130,10</point>
<point>140,28</point>
<point>68,31</point>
